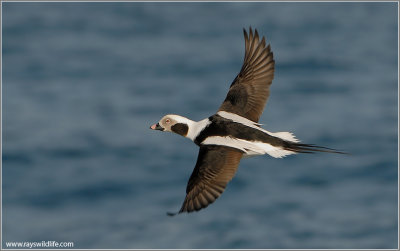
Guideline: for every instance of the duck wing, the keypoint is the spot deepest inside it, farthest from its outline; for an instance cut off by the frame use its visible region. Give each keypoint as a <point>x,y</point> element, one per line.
<point>215,167</point>
<point>249,91</point>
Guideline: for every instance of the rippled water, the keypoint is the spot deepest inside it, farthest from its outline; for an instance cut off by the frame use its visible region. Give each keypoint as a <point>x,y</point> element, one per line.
<point>82,82</point>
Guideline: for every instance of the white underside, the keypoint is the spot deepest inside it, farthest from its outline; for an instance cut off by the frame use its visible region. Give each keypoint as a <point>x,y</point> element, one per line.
<point>250,148</point>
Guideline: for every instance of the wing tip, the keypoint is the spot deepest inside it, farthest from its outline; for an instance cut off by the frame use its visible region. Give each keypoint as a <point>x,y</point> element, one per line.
<point>170,214</point>
<point>250,32</point>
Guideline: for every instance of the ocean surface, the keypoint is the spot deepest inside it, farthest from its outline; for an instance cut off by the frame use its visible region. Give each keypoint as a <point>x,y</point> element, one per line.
<point>82,83</point>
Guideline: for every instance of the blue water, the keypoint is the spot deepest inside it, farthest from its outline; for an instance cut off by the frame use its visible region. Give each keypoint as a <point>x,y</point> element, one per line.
<point>82,83</point>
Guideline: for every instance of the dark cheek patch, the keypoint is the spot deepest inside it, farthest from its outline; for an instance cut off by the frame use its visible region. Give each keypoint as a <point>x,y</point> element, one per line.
<point>180,128</point>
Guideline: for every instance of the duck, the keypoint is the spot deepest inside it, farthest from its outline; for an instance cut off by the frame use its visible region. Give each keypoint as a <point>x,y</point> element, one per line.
<point>233,132</point>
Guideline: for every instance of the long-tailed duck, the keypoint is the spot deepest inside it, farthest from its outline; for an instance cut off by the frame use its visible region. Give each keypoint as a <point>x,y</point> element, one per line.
<point>233,132</point>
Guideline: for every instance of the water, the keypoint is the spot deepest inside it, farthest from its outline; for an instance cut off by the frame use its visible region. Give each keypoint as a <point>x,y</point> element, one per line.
<point>82,83</point>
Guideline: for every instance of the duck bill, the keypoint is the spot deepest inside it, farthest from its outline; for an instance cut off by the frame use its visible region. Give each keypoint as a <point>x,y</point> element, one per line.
<point>156,127</point>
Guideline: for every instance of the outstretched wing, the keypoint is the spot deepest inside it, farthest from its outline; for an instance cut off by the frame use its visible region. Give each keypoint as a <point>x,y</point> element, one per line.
<point>215,167</point>
<point>249,91</point>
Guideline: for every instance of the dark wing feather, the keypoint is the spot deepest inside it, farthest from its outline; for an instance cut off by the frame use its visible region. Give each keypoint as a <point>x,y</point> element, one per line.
<point>249,91</point>
<point>215,167</point>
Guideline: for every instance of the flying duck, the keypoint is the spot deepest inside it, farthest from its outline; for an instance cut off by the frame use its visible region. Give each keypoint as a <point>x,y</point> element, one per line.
<point>233,132</point>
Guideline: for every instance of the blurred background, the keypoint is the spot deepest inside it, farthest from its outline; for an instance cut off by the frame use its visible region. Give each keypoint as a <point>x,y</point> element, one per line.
<point>82,83</point>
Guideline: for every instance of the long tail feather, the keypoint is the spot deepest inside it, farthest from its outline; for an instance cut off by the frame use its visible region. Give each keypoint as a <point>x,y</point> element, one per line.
<point>310,148</point>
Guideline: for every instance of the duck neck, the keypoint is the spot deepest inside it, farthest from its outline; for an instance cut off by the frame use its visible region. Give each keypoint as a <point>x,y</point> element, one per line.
<point>195,128</point>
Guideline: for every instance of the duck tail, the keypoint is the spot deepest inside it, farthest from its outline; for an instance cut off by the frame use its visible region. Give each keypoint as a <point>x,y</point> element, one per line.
<point>310,148</point>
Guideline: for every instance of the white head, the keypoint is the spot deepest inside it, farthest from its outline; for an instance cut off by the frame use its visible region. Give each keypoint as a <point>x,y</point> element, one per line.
<point>173,123</point>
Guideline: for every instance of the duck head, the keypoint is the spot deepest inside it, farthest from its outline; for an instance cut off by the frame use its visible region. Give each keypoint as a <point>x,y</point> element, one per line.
<point>173,123</point>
